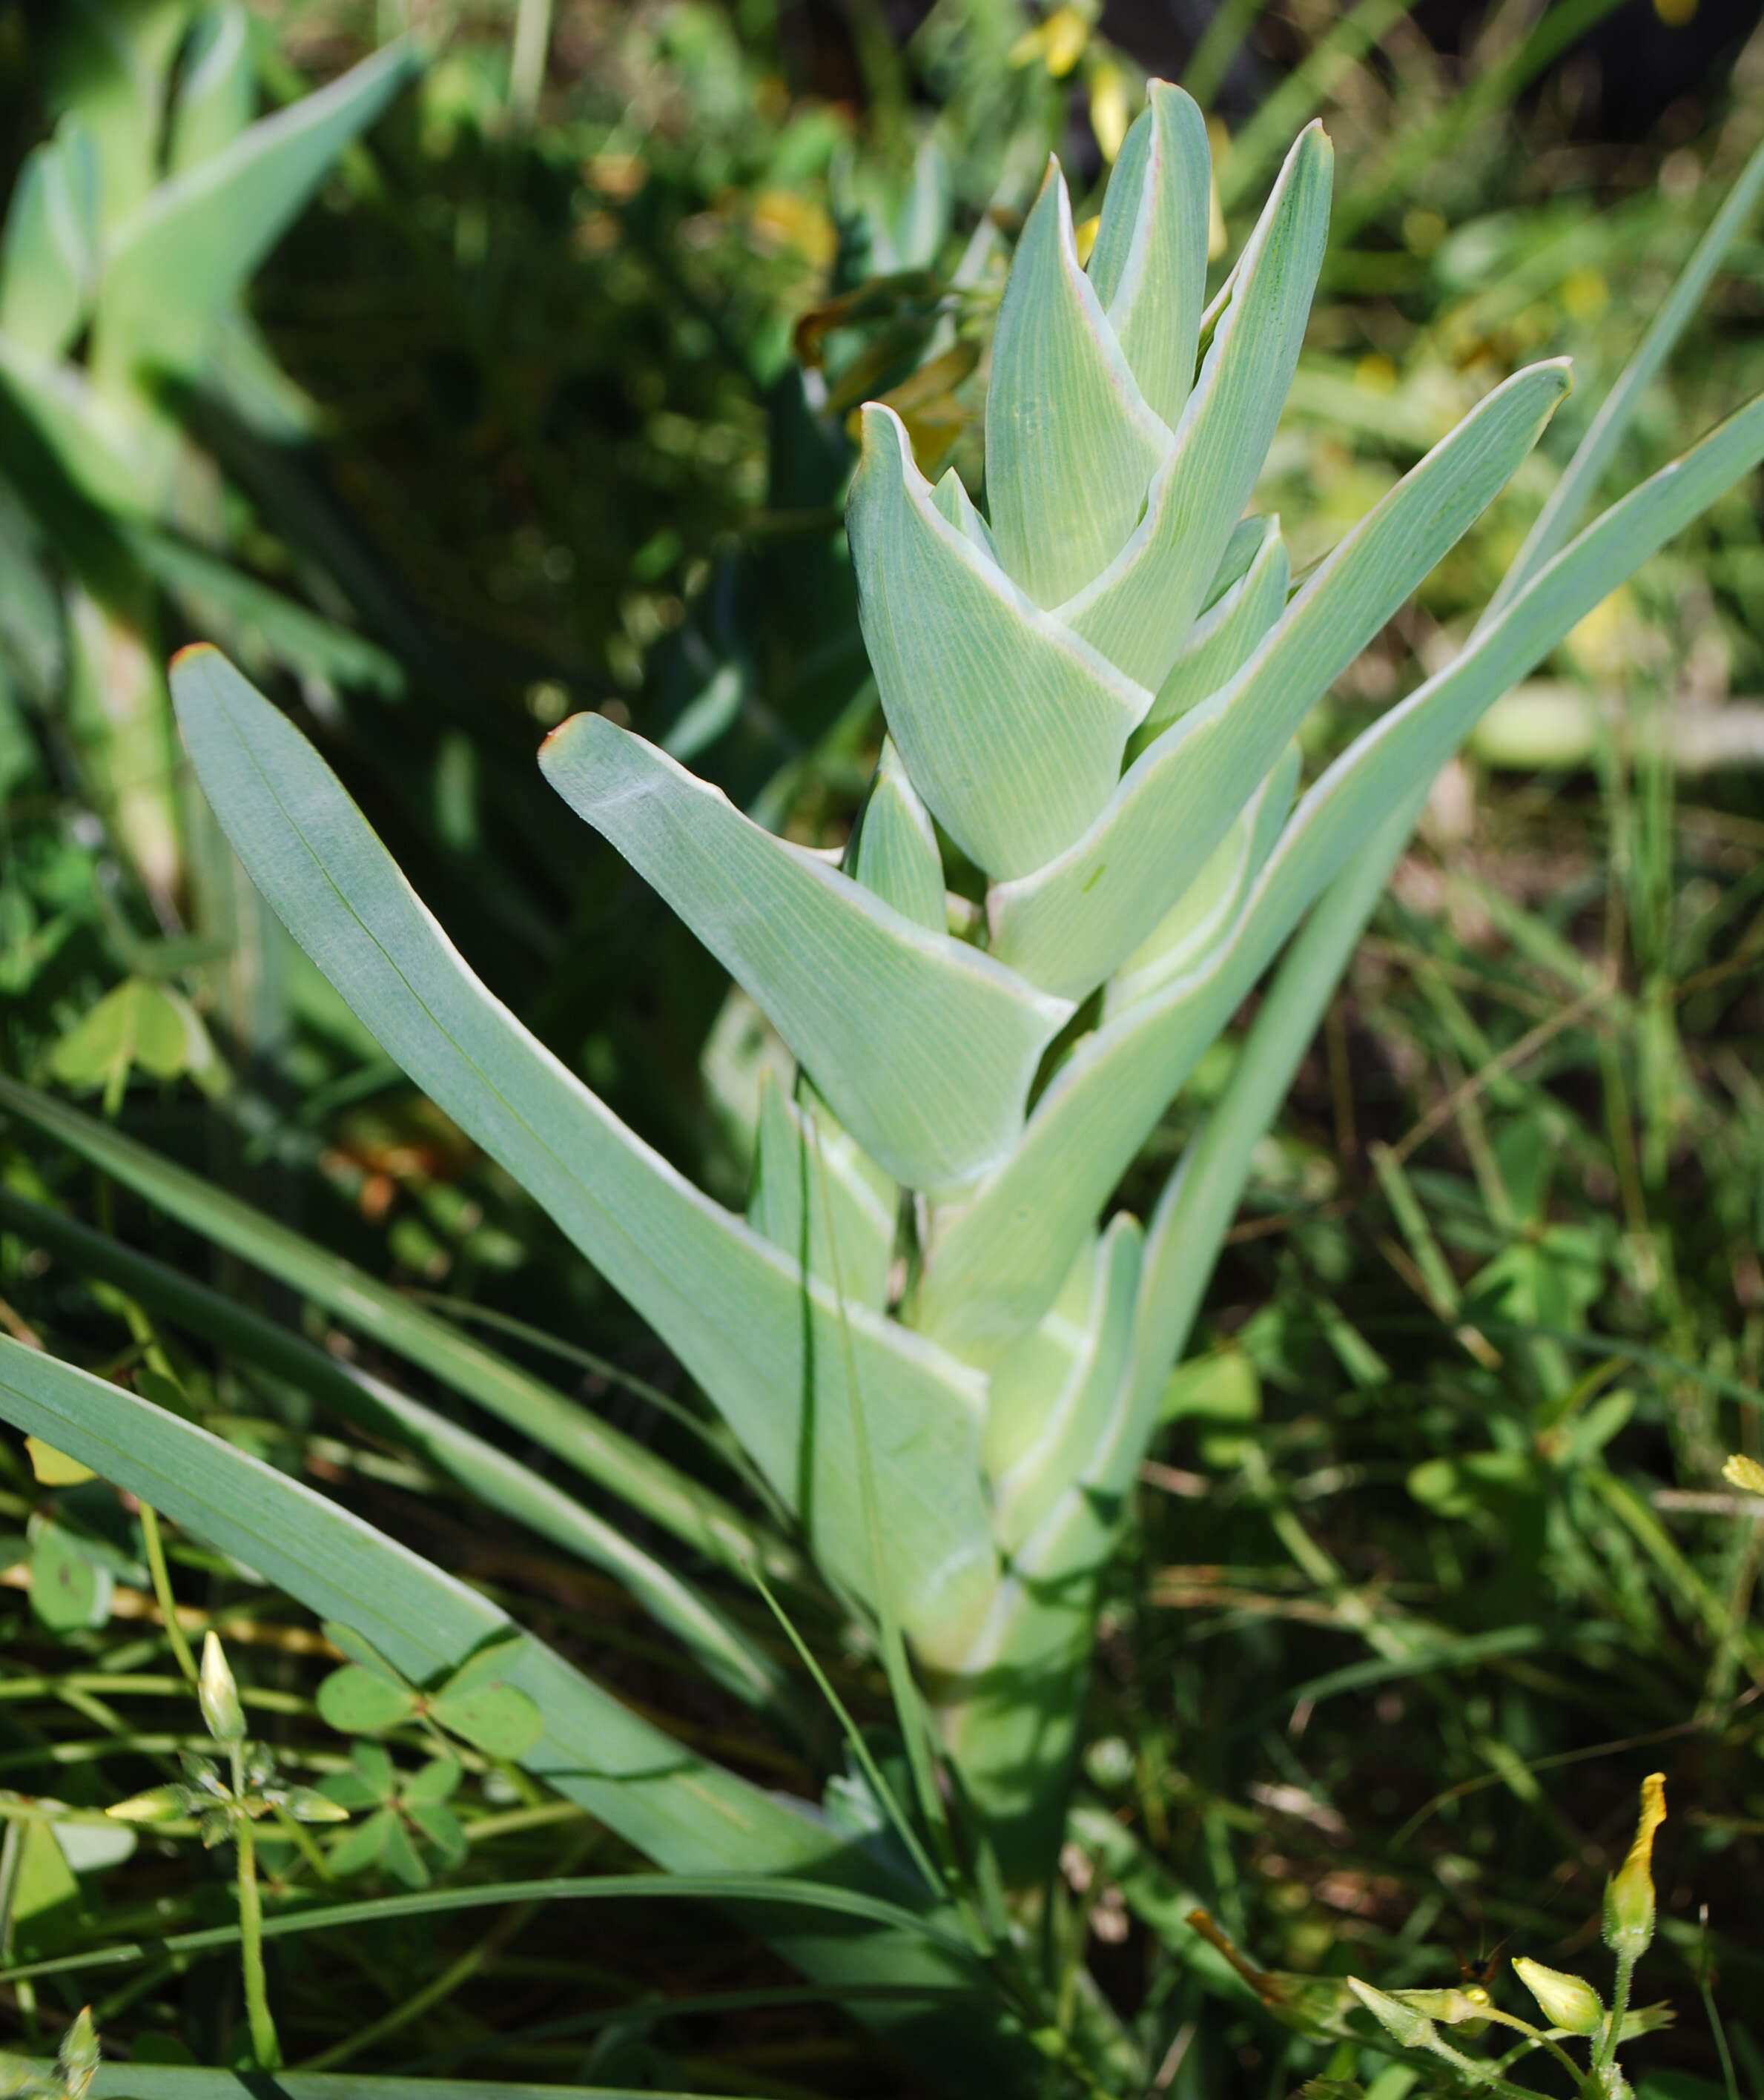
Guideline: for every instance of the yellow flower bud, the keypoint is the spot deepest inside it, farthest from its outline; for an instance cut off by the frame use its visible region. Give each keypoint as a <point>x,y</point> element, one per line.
<point>219,1695</point>
<point>1569,2002</point>
<point>1629,1893</point>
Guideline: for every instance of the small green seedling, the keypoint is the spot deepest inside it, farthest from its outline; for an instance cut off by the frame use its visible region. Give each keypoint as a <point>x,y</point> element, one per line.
<point>368,1696</point>
<point>226,1806</point>
<point>409,1810</point>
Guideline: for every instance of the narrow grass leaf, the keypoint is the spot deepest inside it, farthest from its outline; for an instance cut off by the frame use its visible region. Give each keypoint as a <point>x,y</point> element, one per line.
<point>489,1474</point>
<point>716,1836</point>
<point>696,1515</point>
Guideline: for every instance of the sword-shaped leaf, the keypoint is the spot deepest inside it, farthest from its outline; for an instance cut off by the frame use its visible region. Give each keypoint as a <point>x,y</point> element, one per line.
<point>923,1047</point>
<point>990,1276</point>
<point>1071,923</point>
<point>1055,1420</point>
<point>896,852</point>
<point>1137,610</point>
<point>1221,639</point>
<point>1149,262</point>
<point>1011,728</point>
<point>1070,443</point>
<point>189,246</point>
<point>48,254</point>
<point>216,90</point>
<point>774,1351</point>
<point>805,1167</point>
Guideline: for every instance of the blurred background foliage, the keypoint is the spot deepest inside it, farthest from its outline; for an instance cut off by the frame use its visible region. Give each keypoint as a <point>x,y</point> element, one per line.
<point>543,403</point>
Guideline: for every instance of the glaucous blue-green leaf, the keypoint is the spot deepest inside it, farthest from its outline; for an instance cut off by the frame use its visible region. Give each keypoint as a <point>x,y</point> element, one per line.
<point>1149,262</point>
<point>923,1047</point>
<point>111,63</point>
<point>1209,905</point>
<point>951,501</point>
<point>896,852</point>
<point>186,248</point>
<point>1136,611</point>
<point>806,1170</point>
<point>1011,728</point>
<point>104,456</point>
<point>773,1349</point>
<point>1070,443</point>
<point>49,252</point>
<point>1055,1423</point>
<point>216,90</point>
<point>686,1814</point>
<point>1071,923</point>
<point>991,1274</point>
<point>1222,637</point>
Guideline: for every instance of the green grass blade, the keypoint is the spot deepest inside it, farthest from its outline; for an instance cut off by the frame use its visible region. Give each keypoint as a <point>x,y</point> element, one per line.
<point>1001,1262</point>
<point>186,249</point>
<point>762,1339</point>
<point>781,1890</point>
<point>730,1840</point>
<point>1137,611</point>
<point>1011,727</point>
<point>1069,437</point>
<point>489,1476</point>
<point>177,2081</point>
<point>1571,494</point>
<point>1072,924</point>
<point>923,1047</point>
<point>668,1497</point>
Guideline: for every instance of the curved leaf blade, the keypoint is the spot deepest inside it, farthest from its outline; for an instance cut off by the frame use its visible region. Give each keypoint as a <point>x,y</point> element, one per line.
<point>190,245</point>
<point>1137,611</point>
<point>1149,262</point>
<point>1070,443</point>
<point>766,1344</point>
<point>1011,727</point>
<point>922,1047</point>
<point>1004,1256</point>
<point>1070,924</point>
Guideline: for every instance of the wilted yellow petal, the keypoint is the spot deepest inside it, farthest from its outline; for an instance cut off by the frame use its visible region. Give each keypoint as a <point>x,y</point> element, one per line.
<point>54,1468</point>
